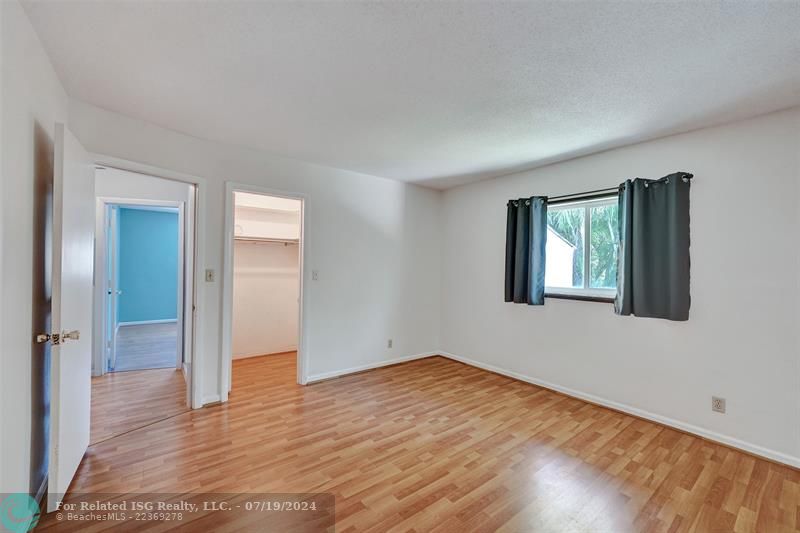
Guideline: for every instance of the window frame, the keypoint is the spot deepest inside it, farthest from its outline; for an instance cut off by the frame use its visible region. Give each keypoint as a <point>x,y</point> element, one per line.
<point>584,293</point>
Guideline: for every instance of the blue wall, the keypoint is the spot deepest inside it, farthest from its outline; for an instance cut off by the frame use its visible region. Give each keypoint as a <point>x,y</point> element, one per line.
<point>148,265</point>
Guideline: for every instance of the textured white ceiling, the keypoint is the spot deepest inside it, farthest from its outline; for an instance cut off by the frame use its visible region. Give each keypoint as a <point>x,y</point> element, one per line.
<point>436,93</point>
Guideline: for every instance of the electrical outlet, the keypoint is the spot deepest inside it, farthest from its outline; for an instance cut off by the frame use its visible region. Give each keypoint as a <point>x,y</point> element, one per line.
<point>389,344</point>
<point>315,275</point>
<point>210,276</point>
<point>718,404</point>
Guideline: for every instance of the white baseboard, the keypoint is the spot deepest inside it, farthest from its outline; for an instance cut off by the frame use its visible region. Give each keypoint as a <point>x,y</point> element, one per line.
<point>259,354</point>
<point>641,413</point>
<point>145,322</point>
<point>211,398</point>
<point>336,373</point>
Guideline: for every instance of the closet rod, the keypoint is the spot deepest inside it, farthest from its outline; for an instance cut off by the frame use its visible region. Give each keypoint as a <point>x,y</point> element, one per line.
<point>266,239</point>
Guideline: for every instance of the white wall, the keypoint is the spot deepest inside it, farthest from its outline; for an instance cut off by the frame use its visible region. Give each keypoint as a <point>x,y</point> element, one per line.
<point>114,183</point>
<point>32,101</point>
<point>741,341</point>
<point>266,287</point>
<point>375,242</point>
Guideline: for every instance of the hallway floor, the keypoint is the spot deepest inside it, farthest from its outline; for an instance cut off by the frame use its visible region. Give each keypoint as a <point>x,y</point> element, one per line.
<point>147,346</point>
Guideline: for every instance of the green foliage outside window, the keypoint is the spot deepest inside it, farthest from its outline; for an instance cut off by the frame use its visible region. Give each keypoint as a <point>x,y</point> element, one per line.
<point>604,245</point>
<point>603,242</point>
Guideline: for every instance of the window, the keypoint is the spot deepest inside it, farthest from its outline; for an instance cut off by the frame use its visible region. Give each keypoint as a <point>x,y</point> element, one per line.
<point>578,265</point>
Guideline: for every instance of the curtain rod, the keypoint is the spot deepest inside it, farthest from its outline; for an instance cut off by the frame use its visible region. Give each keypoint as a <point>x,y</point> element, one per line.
<point>604,193</point>
<point>593,194</point>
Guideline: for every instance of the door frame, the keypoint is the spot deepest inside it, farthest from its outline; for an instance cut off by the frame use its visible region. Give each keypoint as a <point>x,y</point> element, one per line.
<point>198,213</point>
<point>104,220</point>
<point>110,256</point>
<point>227,283</point>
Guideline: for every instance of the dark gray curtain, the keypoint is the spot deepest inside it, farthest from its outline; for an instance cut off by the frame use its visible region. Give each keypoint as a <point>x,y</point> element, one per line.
<point>526,237</point>
<point>653,269</point>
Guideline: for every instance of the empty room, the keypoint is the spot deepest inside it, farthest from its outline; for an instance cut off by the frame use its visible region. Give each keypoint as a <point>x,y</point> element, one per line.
<point>365,266</point>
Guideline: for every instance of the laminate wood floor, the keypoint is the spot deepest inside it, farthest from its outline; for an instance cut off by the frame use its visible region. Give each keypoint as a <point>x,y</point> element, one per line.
<point>142,346</point>
<point>435,445</point>
<point>123,401</point>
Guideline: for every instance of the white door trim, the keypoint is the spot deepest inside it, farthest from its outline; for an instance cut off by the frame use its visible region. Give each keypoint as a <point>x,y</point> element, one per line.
<point>197,350</point>
<point>99,365</point>
<point>227,284</point>
<point>110,220</point>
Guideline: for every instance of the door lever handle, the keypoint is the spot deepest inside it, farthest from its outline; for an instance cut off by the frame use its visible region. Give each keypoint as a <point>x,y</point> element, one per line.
<point>74,335</point>
<point>56,338</point>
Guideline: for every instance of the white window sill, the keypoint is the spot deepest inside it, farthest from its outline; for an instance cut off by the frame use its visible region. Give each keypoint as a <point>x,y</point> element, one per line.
<point>586,295</point>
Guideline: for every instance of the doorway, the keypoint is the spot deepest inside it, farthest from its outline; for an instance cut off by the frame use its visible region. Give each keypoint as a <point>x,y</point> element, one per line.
<point>262,293</point>
<point>144,297</point>
<point>144,277</point>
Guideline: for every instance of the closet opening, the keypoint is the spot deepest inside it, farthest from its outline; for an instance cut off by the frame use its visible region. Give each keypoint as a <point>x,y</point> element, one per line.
<point>263,287</point>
